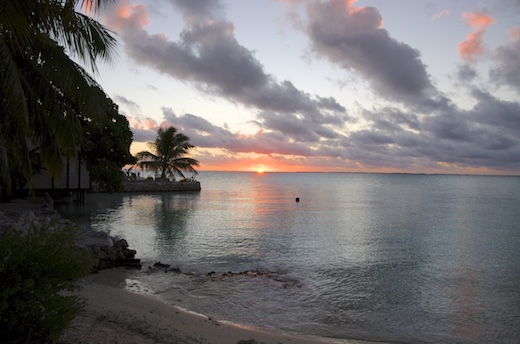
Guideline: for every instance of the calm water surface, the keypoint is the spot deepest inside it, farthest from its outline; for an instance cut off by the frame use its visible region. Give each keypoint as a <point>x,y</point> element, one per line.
<point>404,258</point>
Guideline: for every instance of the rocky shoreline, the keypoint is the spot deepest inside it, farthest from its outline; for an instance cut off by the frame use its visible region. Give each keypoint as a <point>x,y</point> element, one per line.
<point>116,315</point>
<point>109,252</point>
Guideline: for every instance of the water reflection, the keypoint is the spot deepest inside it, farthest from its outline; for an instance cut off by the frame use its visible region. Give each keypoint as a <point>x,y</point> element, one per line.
<point>171,215</point>
<point>402,258</point>
<point>152,223</point>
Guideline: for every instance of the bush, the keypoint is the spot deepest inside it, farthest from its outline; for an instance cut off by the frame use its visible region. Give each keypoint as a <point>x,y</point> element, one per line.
<point>108,175</point>
<point>36,271</point>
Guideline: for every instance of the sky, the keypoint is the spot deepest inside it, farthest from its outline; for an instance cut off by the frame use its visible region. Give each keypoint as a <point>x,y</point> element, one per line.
<point>332,86</point>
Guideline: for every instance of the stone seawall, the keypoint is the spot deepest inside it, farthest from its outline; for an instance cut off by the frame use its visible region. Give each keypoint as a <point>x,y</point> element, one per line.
<point>160,186</point>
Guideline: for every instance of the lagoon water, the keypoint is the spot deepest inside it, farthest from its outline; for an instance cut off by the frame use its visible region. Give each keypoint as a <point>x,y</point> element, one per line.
<point>383,257</point>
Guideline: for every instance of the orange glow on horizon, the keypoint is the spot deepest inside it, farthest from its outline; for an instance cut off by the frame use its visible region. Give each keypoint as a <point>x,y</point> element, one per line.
<point>222,161</point>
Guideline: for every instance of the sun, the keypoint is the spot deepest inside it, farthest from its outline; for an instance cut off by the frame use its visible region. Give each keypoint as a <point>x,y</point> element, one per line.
<point>260,171</point>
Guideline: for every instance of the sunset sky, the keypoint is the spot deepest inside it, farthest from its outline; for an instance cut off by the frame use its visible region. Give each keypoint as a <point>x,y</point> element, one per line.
<point>305,85</point>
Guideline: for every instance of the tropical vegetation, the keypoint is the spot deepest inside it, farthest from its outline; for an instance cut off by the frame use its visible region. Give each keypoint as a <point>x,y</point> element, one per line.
<point>169,156</point>
<point>44,94</point>
<point>106,150</point>
<point>35,269</point>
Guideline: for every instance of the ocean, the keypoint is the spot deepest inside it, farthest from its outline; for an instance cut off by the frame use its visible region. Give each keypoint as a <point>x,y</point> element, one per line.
<point>378,257</point>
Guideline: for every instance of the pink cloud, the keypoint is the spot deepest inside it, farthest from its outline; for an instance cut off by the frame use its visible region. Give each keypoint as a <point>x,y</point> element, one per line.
<point>515,32</point>
<point>473,46</point>
<point>142,123</point>
<point>127,15</point>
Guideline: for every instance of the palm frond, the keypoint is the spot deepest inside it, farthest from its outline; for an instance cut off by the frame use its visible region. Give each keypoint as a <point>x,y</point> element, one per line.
<point>87,39</point>
<point>11,90</point>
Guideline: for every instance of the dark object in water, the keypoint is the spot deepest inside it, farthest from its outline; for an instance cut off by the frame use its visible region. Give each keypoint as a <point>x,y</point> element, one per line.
<point>161,265</point>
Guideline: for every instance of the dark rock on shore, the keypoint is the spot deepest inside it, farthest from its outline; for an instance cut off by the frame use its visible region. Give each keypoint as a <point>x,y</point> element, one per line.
<point>109,251</point>
<point>22,215</point>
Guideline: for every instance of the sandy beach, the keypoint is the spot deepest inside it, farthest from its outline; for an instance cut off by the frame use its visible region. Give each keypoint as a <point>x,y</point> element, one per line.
<point>114,314</point>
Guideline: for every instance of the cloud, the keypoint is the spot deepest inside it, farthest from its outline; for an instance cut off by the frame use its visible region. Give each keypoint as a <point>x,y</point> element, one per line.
<point>422,132</point>
<point>482,138</point>
<point>473,46</point>
<point>441,13</point>
<point>127,102</point>
<point>199,11</point>
<point>128,16</point>
<point>207,135</point>
<point>353,38</point>
<point>506,70</point>
<point>208,56</point>
<point>466,74</point>
<point>144,129</point>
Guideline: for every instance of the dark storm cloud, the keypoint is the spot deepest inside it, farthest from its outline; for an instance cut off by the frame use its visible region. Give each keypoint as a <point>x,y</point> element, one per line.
<point>497,113</point>
<point>483,136</point>
<point>466,74</point>
<point>392,119</point>
<point>300,128</point>
<point>507,64</point>
<point>207,135</point>
<point>353,39</point>
<point>143,134</point>
<point>199,10</point>
<point>127,102</point>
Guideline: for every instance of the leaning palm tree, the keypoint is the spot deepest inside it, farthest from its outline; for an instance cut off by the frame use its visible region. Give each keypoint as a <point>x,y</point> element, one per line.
<point>43,92</point>
<point>169,154</point>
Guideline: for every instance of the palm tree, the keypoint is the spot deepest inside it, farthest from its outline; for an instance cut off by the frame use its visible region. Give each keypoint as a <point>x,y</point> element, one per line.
<point>43,92</point>
<point>170,148</point>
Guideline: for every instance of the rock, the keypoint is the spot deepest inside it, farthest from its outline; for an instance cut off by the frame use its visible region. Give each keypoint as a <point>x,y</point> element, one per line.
<point>250,341</point>
<point>161,265</point>
<point>129,263</point>
<point>89,237</point>
<point>129,253</point>
<point>22,215</point>
<point>120,243</point>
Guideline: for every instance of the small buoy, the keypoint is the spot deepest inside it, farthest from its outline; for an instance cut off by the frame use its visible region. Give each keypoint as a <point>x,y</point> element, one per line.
<point>297,199</point>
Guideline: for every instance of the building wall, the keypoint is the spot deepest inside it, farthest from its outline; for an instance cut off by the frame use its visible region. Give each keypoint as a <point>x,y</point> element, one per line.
<point>74,176</point>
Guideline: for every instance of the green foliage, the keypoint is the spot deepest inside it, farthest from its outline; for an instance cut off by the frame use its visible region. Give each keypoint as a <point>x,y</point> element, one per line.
<point>43,92</point>
<point>35,270</point>
<point>169,156</point>
<point>108,175</point>
<point>106,148</point>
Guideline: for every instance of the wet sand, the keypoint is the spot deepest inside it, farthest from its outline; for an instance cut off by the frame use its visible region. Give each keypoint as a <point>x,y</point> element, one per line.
<point>114,314</point>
